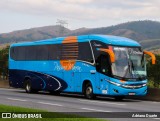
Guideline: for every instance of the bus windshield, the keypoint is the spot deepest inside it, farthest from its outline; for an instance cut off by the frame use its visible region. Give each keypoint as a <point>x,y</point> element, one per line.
<point>129,63</point>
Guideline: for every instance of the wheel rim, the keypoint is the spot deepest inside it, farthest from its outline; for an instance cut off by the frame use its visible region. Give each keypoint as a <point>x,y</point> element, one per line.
<point>89,90</point>
<point>28,87</point>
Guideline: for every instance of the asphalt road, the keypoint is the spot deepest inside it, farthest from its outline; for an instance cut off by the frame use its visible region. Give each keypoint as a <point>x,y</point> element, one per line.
<point>76,103</point>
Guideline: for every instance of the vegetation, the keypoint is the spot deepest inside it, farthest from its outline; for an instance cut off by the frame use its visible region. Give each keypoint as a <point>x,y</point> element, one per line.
<point>154,73</point>
<point>4,63</point>
<point>68,117</point>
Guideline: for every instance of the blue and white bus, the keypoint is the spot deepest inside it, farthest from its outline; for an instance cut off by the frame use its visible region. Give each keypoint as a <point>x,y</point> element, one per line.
<point>89,64</point>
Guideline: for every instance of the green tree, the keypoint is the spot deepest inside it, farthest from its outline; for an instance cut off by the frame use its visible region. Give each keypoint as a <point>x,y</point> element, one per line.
<point>154,72</point>
<point>4,62</point>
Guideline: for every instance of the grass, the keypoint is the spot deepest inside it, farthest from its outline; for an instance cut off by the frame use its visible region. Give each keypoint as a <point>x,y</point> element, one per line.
<point>68,117</point>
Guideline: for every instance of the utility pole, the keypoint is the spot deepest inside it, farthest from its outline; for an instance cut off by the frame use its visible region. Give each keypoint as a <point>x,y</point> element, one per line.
<point>62,25</point>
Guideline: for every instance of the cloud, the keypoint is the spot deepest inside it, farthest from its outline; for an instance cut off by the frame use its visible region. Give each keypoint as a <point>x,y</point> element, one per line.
<point>85,9</point>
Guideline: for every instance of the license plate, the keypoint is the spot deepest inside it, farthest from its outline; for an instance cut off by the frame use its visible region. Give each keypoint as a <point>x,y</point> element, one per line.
<point>131,93</point>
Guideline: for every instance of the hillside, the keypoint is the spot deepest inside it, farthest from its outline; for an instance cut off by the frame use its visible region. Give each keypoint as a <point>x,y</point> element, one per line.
<point>145,32</point>
<point>156,51</point>
<point>32,34</point>
<point>137,30</point>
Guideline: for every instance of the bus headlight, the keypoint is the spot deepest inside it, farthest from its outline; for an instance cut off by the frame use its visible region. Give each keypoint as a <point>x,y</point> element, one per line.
<point>114,83</point>
<point>144,85</point>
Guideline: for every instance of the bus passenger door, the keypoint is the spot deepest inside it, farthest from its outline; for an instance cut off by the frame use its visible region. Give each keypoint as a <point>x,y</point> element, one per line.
<point>104,69</point>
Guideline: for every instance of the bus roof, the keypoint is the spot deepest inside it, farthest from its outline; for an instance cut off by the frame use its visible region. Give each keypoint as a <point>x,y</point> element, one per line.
<point>108,39</point>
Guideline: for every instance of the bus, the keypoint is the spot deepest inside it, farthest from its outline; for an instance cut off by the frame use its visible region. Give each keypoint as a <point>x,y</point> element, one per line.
<point>87,64</point>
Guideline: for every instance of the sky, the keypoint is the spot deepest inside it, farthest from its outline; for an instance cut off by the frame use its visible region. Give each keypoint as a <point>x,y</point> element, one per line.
<point>25,14</point>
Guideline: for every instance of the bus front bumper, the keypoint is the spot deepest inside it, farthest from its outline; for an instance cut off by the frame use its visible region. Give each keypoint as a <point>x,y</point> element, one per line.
<point>140,90</point>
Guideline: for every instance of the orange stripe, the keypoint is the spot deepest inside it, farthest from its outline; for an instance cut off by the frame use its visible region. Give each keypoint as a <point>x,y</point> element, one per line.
<point>69,43</point>
<point>71,39</point>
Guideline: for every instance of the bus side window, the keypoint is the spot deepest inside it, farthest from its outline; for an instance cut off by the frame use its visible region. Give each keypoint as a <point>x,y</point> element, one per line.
<point>42,52</point>
<point>18,53</point>
<point>102,64</point>
<point>54,51</point>
<point>84,52</point>
<point>30,53</point>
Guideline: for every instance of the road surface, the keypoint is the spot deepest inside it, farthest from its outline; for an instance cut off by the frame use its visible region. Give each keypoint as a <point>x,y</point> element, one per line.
<point>76,103</point>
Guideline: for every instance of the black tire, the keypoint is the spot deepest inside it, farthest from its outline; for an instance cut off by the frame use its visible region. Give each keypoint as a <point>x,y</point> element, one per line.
<point>28,87</point>
<point>119,98</point>
<point>88,91</point>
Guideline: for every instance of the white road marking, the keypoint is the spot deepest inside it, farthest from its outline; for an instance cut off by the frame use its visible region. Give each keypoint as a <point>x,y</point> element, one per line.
<point>157,118</point>
<point>49,103</point>
<point>101,102</point>
<point>12,89</point>
<point>15,99</point>
<point>90,109</point>
<point>135,100</point>
<point>155,102</point>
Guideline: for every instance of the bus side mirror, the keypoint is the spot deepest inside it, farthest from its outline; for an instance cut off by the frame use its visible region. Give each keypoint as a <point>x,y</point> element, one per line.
<point>151,55</point>
<point>110,52</point>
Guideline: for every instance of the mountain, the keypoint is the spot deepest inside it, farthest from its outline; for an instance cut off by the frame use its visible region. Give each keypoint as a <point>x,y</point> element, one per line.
<point>33,34</point>
<point>138,30</point>
<point>147,33</point>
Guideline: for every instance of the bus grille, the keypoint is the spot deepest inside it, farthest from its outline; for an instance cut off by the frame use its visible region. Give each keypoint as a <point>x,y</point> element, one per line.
<point>133,86</point>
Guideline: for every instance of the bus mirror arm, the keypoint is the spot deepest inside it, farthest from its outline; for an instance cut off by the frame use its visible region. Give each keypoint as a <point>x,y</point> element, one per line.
<point>151,55</point>
<point>110,52</point>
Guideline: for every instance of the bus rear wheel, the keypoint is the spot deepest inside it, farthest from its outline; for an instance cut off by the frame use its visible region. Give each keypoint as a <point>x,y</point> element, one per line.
<point>89,91</point>
<point>28,87</point>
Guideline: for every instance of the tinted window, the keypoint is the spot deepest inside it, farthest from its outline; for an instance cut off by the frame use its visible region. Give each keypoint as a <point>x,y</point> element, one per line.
<point>68,51</point>
<point>17,53</point>
<point>76,51</point>
<point>54,52</point>
<point>97,44</point>
<point>85,53</point>
<point>12,52</point>
<point>38,52</point>
<point>42,52</point>
<point>30,53</point>
<point>103,64</point>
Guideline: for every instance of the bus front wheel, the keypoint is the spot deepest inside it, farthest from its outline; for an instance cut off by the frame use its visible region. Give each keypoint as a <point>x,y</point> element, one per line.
<point>89,91</point>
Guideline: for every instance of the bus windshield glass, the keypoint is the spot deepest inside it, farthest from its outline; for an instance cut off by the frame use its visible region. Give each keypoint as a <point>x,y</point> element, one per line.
<point>129,63</point>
